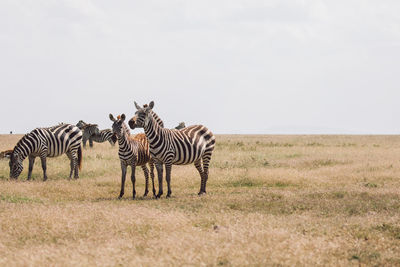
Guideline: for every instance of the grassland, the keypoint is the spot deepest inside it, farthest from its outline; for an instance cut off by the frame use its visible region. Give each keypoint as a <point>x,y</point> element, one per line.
<point>272,200</point>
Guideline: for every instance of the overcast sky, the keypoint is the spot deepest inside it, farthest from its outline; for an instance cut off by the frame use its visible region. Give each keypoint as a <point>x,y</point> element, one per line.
<point>250,66</point>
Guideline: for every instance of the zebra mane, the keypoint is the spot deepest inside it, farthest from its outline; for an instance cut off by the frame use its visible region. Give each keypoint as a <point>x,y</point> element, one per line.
<point>155,117</point>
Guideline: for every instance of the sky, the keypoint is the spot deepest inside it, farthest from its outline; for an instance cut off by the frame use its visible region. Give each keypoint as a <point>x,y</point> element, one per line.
<point>235,66</point>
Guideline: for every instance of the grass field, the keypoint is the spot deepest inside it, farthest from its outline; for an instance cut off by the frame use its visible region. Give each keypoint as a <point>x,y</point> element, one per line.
<point>272,200</point>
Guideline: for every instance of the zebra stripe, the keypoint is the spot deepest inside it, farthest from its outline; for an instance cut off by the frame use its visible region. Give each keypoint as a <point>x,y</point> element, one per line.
<point>104,135</point>
<point>193,144</point>
<point>133,151</point>
<point>47,142</point>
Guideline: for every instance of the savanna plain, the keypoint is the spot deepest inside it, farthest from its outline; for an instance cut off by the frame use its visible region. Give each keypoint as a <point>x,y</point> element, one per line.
<point>271,200</point>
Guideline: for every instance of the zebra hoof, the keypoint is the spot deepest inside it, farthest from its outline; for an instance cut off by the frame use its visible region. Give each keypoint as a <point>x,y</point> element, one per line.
<point>168,196</point>
<point>201,193</point>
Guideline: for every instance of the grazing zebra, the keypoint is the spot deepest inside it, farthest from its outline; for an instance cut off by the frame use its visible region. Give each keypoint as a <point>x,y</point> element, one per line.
<point>104,135</point>
<point>48,142</point>
<point>193,144</point>
<point>88,130</point>
<point>180,126</point>
<point>133,151</point>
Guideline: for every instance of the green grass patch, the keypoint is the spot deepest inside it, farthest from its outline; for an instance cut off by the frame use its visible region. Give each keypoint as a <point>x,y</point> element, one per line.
<point>18,199</point>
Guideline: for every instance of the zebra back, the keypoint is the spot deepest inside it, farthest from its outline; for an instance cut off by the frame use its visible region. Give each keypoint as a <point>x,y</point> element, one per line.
<point>176,146</point>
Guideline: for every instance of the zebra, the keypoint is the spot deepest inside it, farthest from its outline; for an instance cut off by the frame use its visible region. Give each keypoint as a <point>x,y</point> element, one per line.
<point>48,142</point>
<point>133,151</point>
<point>193,144</point>
<point>88,131</point>
<point>104,135</point>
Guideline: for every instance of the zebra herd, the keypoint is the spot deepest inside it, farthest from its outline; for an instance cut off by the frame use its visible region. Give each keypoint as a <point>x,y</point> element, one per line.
<point>158,146</point>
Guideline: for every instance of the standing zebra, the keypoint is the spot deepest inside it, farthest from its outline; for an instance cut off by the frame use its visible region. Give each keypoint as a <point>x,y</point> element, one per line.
<point>104,135</point>
<point>193,144</point>
<point>48,142</point>
<point>133,151</point>
<point>88,131</point>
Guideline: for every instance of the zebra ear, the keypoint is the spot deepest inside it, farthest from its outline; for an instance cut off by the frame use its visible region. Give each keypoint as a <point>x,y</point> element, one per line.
<point>137,106</point>
<point>112,117</point>
<point>151,105</point>
<point>123,117</point>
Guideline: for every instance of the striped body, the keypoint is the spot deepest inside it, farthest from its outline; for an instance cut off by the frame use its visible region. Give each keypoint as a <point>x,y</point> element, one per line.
<point>179,147</point>
<point>104,135</point>
<point>133,151</point>
<point>47,142</point>
<point>193,144</point>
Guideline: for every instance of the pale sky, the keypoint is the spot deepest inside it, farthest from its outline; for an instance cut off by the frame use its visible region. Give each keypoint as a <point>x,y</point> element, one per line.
<point>250,66</point>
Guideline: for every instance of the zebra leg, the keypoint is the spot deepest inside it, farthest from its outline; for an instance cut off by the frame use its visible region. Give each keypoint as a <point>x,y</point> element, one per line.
<point>123,169</point>
<point>71,160</point>
<point>159,167</point>
<point>206,163</point>
<point>197,164</point>
<point>168,167</point>
<point>84,140</point>
<point>31,163</point>
<point>146,175</point>
<point>133,179</point>
<point>151,164</point>
<point>75,164</point>
<point>90,142</point>
<point>44,167</point>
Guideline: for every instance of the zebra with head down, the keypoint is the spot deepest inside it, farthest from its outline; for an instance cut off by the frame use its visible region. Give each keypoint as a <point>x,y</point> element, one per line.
<point>47,142</point>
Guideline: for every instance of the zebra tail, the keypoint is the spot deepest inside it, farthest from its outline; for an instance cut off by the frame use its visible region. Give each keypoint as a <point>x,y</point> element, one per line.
<point>80,157</point>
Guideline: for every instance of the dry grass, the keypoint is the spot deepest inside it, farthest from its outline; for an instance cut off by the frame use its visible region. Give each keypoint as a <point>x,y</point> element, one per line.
<point>272,200</point>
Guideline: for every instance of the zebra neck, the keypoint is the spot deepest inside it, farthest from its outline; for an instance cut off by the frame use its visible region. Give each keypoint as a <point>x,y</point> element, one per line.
<point>157,119</point>
<point>123,138</point>
<point>151,126</point>
<point>24,148</point>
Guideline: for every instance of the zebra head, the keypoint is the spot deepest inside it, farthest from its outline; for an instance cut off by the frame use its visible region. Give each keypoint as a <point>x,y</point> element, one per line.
<point>118,125</point>
<point>80,124</point>
<point>15,165</point>
<point>141,117</point>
